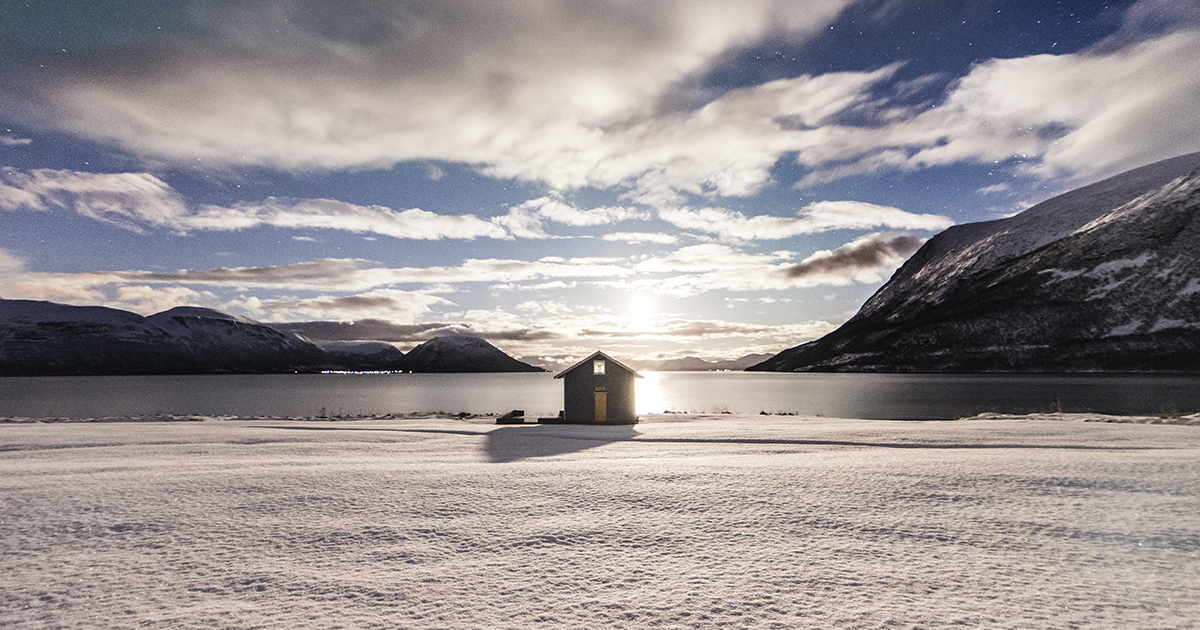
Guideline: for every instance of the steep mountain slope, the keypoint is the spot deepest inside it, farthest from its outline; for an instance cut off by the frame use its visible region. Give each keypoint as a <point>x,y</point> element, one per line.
<point>1105,278</point>
<point>462,354</point>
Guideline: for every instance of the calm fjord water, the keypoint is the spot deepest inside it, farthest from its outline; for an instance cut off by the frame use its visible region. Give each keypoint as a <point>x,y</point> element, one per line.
<point>876,396</point>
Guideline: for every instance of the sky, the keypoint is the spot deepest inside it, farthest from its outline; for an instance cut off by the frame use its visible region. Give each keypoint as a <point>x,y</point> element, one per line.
<point>653,178</point>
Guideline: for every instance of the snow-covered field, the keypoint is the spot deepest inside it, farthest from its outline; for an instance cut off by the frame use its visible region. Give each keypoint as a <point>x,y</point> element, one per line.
<point>679,522</point>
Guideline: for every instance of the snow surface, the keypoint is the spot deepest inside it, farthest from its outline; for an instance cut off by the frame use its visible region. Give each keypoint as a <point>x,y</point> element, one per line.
<point>679,522</point>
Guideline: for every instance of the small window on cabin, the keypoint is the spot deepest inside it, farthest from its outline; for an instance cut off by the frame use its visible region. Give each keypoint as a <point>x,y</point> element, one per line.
<point>598,367</point>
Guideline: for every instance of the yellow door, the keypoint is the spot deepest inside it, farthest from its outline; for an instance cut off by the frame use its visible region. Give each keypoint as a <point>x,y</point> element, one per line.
<point>601,406</point>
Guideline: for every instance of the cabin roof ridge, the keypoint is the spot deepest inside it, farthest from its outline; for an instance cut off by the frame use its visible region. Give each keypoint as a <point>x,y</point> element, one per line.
<point>595,355</point>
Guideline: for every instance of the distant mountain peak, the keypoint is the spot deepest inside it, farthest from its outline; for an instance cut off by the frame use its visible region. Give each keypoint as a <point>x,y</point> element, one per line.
<point>460,353</point>
<point>696,364</point>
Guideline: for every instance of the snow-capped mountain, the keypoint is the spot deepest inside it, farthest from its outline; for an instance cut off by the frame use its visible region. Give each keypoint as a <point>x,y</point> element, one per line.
<point>364,355</point>
<point>1103,278</point>
<point>228,343</point>
<point>44,338</point>
<point>462,354</point>
<point>696,364</point>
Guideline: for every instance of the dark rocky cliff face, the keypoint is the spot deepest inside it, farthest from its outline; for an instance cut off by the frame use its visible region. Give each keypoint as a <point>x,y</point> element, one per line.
<point>1106,278</point>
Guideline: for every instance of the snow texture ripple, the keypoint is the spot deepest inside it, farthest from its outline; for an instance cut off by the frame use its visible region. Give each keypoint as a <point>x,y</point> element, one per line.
<point>741,522</point>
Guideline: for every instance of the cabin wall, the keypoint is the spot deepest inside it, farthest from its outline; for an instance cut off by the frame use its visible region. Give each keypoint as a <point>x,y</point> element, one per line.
<point>579,395</point>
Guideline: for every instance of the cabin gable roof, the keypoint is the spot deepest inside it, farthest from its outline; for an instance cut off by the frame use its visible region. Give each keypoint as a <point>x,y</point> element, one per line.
<point>598,355</point>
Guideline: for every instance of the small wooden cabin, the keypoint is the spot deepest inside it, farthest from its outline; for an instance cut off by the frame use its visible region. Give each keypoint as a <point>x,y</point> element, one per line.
<point>598,390</point>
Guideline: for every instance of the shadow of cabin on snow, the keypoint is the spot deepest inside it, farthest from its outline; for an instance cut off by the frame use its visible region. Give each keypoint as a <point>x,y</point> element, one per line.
<point>598,390</point>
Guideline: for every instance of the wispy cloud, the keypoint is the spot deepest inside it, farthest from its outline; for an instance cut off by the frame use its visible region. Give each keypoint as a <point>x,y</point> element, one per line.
<point>390,304</point>
<point>329,274</point>
<point>12,141</point>
<point>818,217</point>
<point>133,201</point>
<point>708,257</point>
<point>140,202</point>
<point>412,223</point>
<point>635,238</point>
<point>527,219</point>
<point>147,299</point>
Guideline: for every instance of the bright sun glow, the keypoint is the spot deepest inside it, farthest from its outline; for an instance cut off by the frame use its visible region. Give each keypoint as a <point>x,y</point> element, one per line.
<point>641,305</point>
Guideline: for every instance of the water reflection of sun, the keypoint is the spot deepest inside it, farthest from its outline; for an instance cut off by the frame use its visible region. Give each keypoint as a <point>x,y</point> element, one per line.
<point>649,394</point>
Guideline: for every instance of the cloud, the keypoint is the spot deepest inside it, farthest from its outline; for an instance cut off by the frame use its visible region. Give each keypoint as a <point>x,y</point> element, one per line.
<point>863,260</point>
<point>382,304</point>
<point>994,188</point>
<point>412,223</point>
<point>569,93</point>
<point>10,264</point>
<point>558,91</point>
<point>818,217</point>
<point>132,201</point>
<point>526,219</point>
<point>362,330</point>
<point>553,285</point>
<point>698,269</point>
<point>141,201</point>
<point>148,300</point>
<point>11,141</point>
<point>637,238</point>
<point>708,257</point>
<point>544,307</point>
<point>548,332</point>
<point>348,274</point>
<point>70,288</point>
<point>371,288</point>
<point>554,209</point>
<point>1126,102</point>
<point>16,282</point>
<point>578,335</point>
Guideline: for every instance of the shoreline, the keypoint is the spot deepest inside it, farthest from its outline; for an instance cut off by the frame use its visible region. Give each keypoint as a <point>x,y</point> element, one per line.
<point>489,419</point>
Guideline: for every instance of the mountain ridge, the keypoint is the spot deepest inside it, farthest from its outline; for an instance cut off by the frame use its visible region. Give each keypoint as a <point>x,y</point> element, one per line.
<point>39,338</point>
<point>696,364</point>
<point>1102,279</point>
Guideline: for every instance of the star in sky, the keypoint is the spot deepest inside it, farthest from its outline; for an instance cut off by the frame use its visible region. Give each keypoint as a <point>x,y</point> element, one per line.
<point>657,179</point>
